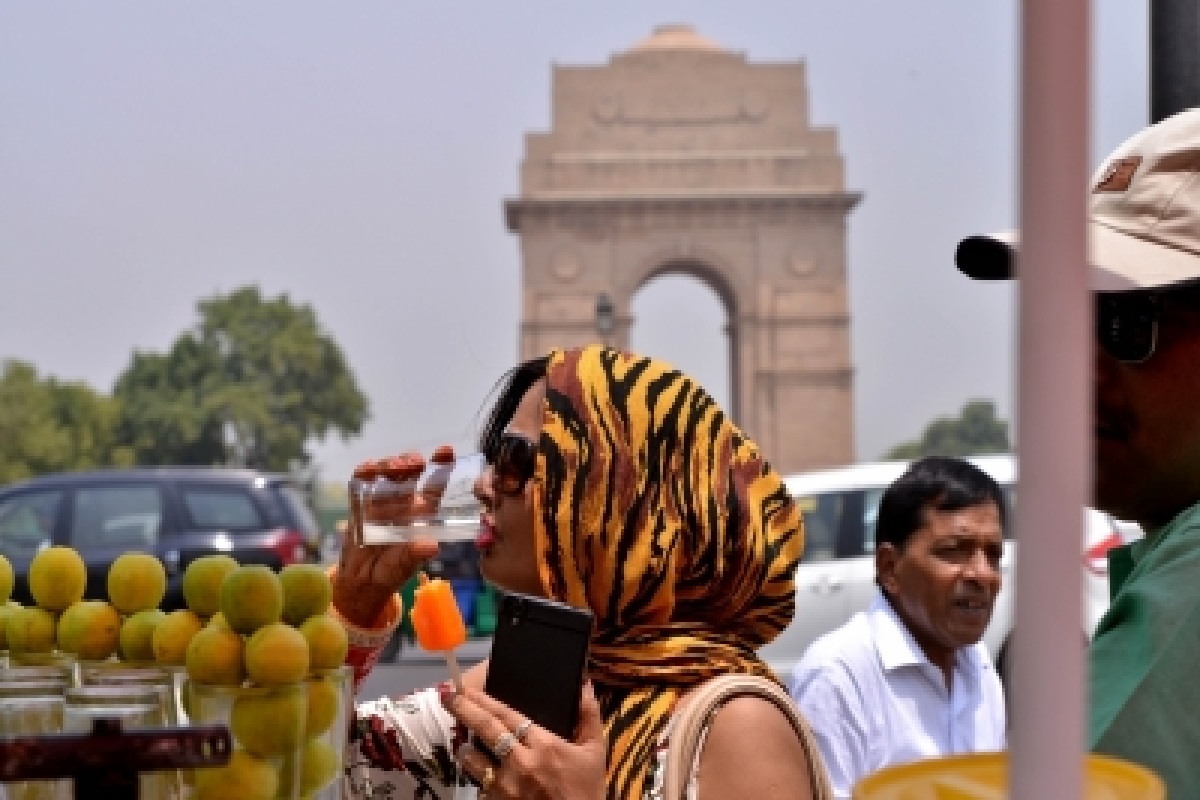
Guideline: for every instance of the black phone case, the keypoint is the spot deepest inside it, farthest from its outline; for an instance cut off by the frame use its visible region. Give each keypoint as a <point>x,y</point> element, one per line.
<point>538,658</point>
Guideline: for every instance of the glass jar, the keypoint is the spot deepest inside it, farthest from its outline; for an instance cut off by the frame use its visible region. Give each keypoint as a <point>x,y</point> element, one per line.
<point>158,678</point>
<point>34,708</point>
<point>267,724</point>
<point>330,700</point>
<point>55,658</point>
<point>47,673</point>
<point>136,705</point>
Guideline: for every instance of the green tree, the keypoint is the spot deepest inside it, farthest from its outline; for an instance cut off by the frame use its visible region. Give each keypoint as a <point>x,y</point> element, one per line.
<point>47,425</point>
<point>976,431</point>
<point>252,385</point>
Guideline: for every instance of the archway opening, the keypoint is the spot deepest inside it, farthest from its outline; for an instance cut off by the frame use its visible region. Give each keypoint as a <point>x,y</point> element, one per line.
<point>682,320</point>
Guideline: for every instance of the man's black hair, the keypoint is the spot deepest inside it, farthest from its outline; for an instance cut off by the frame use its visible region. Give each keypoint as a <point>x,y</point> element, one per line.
<point>934,483</point>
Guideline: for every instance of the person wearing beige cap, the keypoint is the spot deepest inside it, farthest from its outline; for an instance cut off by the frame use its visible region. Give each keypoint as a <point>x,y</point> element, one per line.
<point>1144,245</point>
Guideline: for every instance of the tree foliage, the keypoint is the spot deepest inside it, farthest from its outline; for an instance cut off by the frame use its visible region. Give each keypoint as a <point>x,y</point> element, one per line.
<point>252,385</point>
<point>47,425</point>
<point>976,431</point>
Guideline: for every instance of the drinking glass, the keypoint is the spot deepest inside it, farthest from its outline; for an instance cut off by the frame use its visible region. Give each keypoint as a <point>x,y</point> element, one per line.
<point>389,504</point>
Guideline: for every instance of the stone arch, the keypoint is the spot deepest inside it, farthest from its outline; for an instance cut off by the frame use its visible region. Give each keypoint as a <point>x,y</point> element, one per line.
<point>681,157</point>
<point>705,267</point>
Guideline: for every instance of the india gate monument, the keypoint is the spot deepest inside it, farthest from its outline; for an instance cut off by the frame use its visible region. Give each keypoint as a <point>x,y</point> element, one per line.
<point>681,157</point>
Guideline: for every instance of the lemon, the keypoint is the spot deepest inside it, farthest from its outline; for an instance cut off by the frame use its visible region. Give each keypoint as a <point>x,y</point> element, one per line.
<point>6,611</point>
<point>136,582</point>
<point>202,583</point>
<point>57,578</point>
<point>136,641</point>
<point>91,629</point>
<point>320,766</point>
<point>277,654</point>
<point>30,630</point>
<point>215,656</point>
<point>6,580</point>
<point>245,777</point>
<point>306,592</point>
<point>172,635</point>
<point>327,641</point>
<point>251,597</point>
<point>323,701</point>
<point>269,724</point>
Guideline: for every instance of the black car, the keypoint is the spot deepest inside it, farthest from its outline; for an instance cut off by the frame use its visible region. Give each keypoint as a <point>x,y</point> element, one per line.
<point>176,513</point>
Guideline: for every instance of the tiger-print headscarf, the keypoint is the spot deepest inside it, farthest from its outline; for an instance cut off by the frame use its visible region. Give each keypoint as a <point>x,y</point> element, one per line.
<point>653,509</point>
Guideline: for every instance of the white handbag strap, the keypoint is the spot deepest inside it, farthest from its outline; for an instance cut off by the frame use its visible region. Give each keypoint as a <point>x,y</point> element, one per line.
<point>692,717</point>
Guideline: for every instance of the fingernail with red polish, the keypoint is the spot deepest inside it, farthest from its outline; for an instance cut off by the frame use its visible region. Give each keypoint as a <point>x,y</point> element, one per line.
<point>446,691</point>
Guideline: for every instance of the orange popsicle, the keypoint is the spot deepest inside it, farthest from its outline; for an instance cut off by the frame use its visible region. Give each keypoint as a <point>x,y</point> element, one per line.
<point>437,621</point>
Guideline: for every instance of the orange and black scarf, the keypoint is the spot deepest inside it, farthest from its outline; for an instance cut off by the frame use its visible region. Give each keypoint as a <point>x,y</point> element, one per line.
<point>656,511</point>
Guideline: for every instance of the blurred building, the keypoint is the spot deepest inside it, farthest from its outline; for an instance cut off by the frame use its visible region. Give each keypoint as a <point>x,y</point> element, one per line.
<point>679,156</point>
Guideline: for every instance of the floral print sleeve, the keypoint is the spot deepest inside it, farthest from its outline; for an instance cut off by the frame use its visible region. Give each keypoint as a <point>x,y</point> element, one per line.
<point>403,748</point>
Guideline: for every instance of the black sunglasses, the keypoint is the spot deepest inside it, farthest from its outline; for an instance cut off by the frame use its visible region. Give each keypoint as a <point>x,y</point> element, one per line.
<point>1127,324</point>
<point>513,458</point>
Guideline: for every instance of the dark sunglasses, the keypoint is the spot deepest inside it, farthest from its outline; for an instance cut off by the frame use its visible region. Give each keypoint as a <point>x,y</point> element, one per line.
<point>1127,324</point>
<point>513,459</point>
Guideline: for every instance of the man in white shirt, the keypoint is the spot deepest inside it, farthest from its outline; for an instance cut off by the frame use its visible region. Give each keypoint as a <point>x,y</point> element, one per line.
<point>908,679</point>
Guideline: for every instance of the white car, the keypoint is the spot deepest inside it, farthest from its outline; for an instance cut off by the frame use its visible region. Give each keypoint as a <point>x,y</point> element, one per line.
<point>836,576</point>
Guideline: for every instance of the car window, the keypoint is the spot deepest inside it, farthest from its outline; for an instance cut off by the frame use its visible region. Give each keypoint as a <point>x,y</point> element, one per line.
<point>221,508</point>
<point>833,524</point>
<point>870,510</point>
<point>27,521</point>
<point>298,510</point>
<point>116,516</point>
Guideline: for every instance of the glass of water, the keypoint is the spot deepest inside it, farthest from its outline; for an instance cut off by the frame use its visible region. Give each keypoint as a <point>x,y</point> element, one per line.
<point>394,500</point>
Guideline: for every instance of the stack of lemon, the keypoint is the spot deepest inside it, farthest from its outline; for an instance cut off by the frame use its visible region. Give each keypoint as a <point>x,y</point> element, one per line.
<point>262,655</point>
<point>61,621</point>
<point>262,641</point>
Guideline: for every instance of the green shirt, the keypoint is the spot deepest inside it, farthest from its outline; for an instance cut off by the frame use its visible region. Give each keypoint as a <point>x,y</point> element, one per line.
<point>1145,657</point>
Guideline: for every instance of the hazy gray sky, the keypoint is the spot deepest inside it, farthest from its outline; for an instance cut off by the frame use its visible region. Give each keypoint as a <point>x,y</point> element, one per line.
<point>355,156</point>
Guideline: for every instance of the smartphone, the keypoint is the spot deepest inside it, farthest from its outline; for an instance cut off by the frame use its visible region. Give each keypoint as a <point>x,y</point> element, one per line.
<point>539,653</point>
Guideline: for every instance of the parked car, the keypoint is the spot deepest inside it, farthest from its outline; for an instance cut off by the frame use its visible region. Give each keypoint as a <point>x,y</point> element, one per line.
<point>176,513</point>
<point>836,576</point>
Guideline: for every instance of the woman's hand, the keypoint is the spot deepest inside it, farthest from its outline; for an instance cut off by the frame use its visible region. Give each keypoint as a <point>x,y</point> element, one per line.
<point>368,575</point>
<point>540,765</point>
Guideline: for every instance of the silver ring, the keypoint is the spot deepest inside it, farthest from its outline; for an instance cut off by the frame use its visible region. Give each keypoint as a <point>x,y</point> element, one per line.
<point>522,730</point>
<point>504,744</point>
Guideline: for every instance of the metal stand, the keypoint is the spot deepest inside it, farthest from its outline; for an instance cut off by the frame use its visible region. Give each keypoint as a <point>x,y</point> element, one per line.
<point>106,762</point>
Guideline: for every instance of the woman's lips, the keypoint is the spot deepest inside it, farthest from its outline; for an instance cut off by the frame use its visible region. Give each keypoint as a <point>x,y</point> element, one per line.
<point>487,533</point>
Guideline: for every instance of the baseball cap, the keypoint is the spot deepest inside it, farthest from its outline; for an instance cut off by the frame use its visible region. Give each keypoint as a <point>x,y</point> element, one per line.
<point>1143,218</point>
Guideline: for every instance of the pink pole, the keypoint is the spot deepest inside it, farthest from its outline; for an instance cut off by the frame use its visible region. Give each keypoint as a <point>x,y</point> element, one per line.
<point>1054,403</point>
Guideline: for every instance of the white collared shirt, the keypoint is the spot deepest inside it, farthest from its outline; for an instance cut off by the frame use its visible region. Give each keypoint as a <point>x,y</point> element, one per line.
<point>873,698</point>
